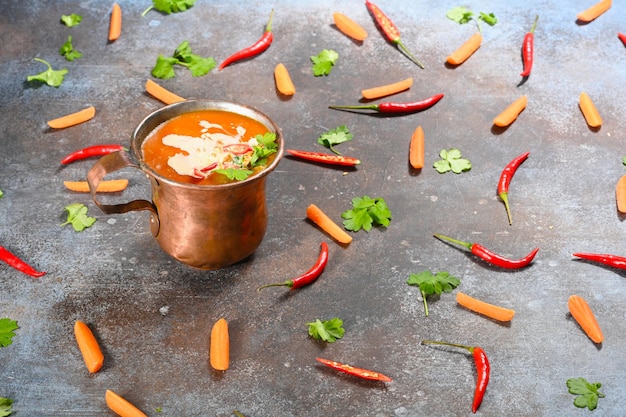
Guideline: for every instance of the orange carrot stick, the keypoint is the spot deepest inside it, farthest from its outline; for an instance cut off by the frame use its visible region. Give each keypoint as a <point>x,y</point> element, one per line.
<point>509,115</point>
<point>317,216</point>
<point>89,348</point>
<point>486,309</point>
<point>594,11</point>
<point>620,194</point>
<point>387,90</point>
<point>115,24</point>
<point>219,352</point>
<point>109,186</point>
<point>284,85</point>
<point>416,149</point>
<point>73,118</point>
<point>121,406</point>
<point>592,116</point>
<point>582,313</point>
<point>161,93</point>
<point>349,27</point>
<point>466,50</point>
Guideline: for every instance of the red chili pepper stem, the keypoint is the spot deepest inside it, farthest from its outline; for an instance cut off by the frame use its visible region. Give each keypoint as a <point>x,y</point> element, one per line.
<point>408,53</point>
<point>458,242</point>
<point>309,276</point>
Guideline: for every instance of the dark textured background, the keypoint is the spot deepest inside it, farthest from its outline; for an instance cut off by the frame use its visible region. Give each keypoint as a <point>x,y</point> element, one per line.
<point>114,276</point>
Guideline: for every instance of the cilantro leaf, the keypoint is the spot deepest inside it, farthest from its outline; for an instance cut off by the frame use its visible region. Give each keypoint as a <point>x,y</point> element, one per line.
<point>5,407</point>
<point>77,216</point>
<point>53,78</point>
<point>169,6</point>
<point>198,65</point>
<point>334,137</point>
<point>587,394</point>
<point>7,327</point>
<point>460,14</point>
<point>327,330</point>
<point>71,20</point>
<point>234,173</point>
<point>451,161</point>
<point>488,18</point>
<point>324,61</point>
<point>164,67</point>
<point>68,51</point>
<point>365,212</point>
<point>430,284</point>
<point>266,146</point>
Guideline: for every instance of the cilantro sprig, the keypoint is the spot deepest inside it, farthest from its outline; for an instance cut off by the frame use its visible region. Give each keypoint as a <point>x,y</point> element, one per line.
<point>68,52</point>
<point>324,62</point>
<point>334,137</point>
<point>183,56</point>
<point>326,330</point>
<point>6,407</point>
<point>169,6</point>
<point>587,394</point>
<point>463,15</point>
<point>52,77</point>
<point>433,284</point>
<point>78,218</point>
<point>7,331</point>
<point>71,20</point>
<point>365,213</point>
<point>451,161</point>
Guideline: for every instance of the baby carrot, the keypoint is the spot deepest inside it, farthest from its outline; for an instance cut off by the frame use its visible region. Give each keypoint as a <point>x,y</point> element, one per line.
<point>620,194</point>
<point>115,24</point>
<point>387,90</point>
<point>161,93</point>
<point>219,352</point>
<point>466,50</point>
<point>121,406</point>
<point>349,27</point>
<point>582,313</point>
<point>509,114</point>
<point>486,309</point>
<point>594,11</point>
<point>109,186</point>
<point>89,348</point>
<point>416,148</point>
<point>73,118</point>
<point>317,216</point>
<point>592,116</point>
<point>284,85</point>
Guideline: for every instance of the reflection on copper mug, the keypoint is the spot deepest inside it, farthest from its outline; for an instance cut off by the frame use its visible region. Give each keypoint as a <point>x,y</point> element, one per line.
<point>204,226</point>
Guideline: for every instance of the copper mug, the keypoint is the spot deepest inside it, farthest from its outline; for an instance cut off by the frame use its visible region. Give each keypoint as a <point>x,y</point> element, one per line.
<point>204,226</point>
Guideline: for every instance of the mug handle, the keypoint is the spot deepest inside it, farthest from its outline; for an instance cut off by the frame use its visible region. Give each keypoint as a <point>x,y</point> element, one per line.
<point>111,163</point>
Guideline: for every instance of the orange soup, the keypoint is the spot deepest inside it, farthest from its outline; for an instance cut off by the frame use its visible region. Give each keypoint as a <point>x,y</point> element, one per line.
<point>209,147</point>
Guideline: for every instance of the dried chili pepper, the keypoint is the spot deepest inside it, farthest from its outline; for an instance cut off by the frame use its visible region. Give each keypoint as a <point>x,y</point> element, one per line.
<point>528,48</point>
<point>324,158</point>
<point>96,150</point>
<point>390,30</point>
<point>309,276</point>
<point>15,262</point>
<point>353,370</point>
<point>622,38</point>
<point>483,369</point>
<point>505,180</point>
<point>610,260</point>
<point>393,107</point>
<point>491,257</point>
<point>253,50</point>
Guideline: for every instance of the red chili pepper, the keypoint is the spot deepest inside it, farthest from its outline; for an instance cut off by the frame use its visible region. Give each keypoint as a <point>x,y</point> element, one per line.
<point>238,148</point>
<point>492,257</point>
<point>483,369</point>
<point>325,158</point>
<point>253,50</point>
<point>505,180</point>
<point>622,38</point>
<point>353,370</point>
<point>390,107</point>
<point>15,262</point>
<point>96,150</point>
<point>390,30</point>
<point>610,260</point>
<point>309,276</point>
<point>527,49</point>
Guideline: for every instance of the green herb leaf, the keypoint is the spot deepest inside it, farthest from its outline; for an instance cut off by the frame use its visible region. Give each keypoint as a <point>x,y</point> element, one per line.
<point>5,407</point>
<point>68,51</point>
<point>460,14</point>
<point>7,327</point>
<point>234,173</point>
<point>169,6</point>
<point>198,65</point>
<point>327,330</point>
<point>488,18</point>
<point>1,193</point>
<point>324,61</point>
<point>587,394</point>
<point>334,137</point>
<point>430,284</point>
<point>78,218</point>
<point>164,67</point>
<point>366,211</point>
<point>266,146</point>
<point>451,161</point>
<point>53,78</point>
<point>71,20</point>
